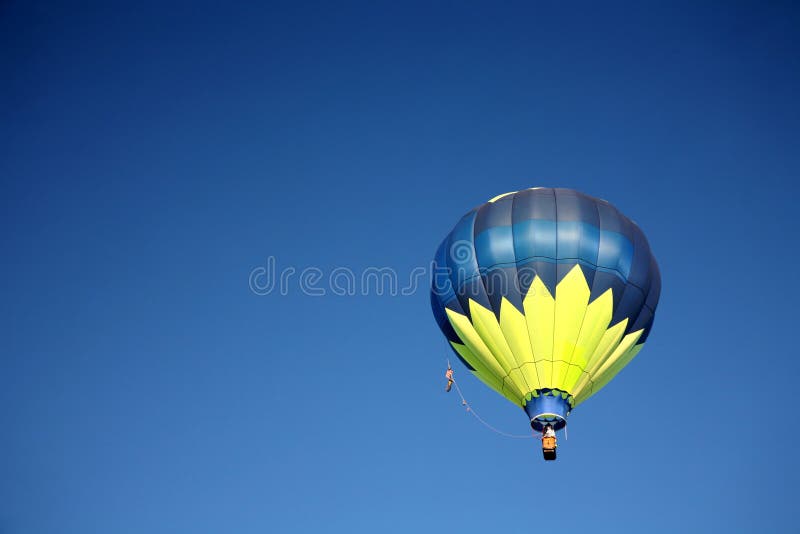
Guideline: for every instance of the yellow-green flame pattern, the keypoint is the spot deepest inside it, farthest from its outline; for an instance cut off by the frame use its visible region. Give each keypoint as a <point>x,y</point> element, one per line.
<point>560,342</point>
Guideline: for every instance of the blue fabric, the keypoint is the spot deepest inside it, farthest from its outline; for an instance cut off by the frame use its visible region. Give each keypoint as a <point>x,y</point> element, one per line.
<point>543,408</point>
<point>498,248</point>
<point>552,240</point>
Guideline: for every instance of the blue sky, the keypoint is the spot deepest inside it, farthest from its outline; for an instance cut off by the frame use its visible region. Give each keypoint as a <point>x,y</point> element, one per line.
<point>153,156</point>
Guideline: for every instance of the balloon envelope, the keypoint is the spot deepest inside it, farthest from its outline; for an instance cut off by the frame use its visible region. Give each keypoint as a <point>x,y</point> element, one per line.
<point>545,295</point>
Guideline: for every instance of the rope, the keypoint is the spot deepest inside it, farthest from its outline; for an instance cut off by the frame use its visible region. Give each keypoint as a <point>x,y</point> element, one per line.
<point>478,417</point>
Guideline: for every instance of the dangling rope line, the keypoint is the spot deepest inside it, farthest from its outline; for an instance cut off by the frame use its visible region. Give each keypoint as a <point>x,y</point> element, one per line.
<point>478,417</point>
<point>484,423</point>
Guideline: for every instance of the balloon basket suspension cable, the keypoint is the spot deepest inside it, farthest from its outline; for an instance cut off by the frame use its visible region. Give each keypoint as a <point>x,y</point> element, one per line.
<point>478,417</point>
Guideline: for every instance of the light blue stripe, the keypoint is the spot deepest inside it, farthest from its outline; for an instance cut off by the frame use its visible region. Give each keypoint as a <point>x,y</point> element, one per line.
<point>524,240</point>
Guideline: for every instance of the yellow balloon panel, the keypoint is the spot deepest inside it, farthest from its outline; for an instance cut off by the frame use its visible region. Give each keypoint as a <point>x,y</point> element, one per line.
<point>563,342</point>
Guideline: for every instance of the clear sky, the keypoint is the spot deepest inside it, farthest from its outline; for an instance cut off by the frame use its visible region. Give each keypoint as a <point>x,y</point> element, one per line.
<point>152,157</point>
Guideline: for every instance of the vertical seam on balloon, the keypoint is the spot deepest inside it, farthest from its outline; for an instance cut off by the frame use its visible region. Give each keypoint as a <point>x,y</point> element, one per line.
<point>628,283</point>
<point>555,294</point>
<point>586,310</point>
<point>489,301</point>
<point>592,376</point>
<point>580,328</point>
<point>649,279</point>
<point>613,311</point>
<point>453,274</point>
<point>594,280</point>
<point>437,292</point>
<point>519,292</point>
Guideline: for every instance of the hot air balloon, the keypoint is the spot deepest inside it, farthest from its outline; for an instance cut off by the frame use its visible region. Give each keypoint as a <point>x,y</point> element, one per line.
<point>545,295</point>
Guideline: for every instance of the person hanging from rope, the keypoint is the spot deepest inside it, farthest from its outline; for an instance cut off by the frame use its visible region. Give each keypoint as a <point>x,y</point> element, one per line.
<point>451,381</point>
